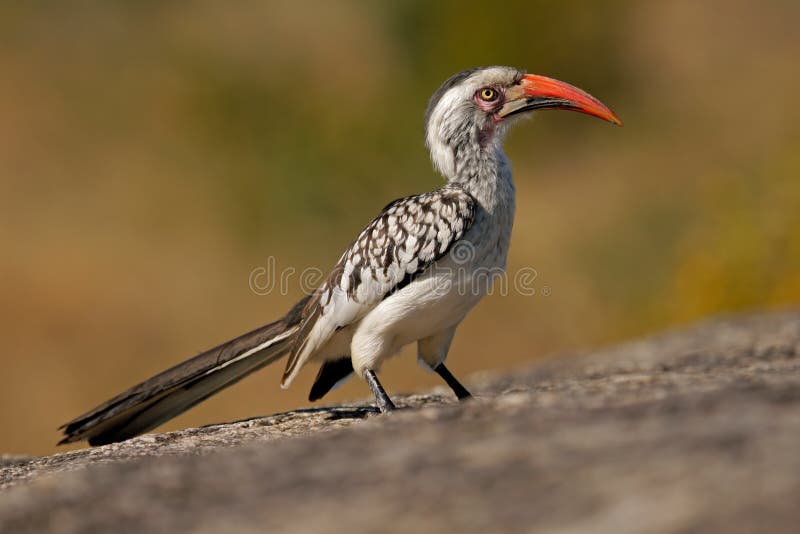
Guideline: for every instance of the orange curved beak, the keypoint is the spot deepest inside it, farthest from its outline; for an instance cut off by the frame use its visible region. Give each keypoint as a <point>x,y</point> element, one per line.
<point>540,92</point>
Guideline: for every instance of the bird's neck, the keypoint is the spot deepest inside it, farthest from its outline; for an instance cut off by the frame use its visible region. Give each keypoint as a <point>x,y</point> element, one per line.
<point>485,173</point>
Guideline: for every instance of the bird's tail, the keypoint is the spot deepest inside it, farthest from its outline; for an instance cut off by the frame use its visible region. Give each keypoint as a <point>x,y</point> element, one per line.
<point>170,393</point>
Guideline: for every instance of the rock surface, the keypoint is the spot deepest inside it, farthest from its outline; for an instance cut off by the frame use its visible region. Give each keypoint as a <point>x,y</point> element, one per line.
<point>696,430</point>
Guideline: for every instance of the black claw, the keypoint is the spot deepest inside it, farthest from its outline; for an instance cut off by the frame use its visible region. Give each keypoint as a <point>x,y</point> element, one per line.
<point>384,402</point>
<point>460,391</point>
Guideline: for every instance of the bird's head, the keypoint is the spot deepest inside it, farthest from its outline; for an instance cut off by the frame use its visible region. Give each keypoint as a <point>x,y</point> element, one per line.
<point>471,111</point>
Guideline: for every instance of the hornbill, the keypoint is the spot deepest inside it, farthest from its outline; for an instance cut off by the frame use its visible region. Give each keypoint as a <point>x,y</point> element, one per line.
<point>411,275</point>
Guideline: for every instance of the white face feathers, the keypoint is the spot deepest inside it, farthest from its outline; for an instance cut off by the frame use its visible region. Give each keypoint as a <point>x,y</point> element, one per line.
<point>456,125</point>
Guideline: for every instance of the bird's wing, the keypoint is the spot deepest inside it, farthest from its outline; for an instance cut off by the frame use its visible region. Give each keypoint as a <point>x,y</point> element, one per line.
<point>406,238</point>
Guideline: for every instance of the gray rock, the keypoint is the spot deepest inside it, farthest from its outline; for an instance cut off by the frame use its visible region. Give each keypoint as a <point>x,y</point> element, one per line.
<point>692,431</point>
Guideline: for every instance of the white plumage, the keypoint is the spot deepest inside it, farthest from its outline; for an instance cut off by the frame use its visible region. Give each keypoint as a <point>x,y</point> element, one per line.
<point>410,276</point>
<point>400,281</point>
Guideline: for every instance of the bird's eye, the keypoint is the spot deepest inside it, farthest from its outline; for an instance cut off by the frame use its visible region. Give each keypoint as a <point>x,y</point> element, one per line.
<point>487,94</point>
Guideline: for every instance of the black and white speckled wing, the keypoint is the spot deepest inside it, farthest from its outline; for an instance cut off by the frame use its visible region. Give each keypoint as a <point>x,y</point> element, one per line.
<point>404,240</point>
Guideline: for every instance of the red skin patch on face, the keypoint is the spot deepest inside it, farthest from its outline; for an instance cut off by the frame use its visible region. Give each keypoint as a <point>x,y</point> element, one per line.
<point>488,132</point>
<point>491,108</point>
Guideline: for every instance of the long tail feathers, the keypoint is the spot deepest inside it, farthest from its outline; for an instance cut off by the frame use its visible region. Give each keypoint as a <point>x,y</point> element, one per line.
<point>172,392</point>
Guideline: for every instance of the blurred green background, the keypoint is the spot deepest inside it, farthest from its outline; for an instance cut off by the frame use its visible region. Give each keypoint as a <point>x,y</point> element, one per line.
<point>153,154</point>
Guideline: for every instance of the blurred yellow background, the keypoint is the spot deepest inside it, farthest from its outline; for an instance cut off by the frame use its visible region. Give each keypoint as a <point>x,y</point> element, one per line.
<point>154,154</point>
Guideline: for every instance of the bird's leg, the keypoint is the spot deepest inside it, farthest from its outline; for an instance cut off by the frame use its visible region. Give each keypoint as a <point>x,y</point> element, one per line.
<point>460,391</point>
<point>384,402</point>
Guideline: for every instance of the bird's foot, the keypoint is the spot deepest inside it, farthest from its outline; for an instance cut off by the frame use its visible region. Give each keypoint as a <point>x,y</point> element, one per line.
<point>385,404</point>
<point>460,391</point>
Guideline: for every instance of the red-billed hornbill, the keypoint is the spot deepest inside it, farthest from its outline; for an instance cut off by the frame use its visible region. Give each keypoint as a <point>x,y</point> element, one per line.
<point>411,275</point>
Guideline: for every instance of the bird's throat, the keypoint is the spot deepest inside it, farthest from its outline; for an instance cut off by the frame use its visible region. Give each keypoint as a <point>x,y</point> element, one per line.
<point>487,177</point>
<point>473,158</point>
